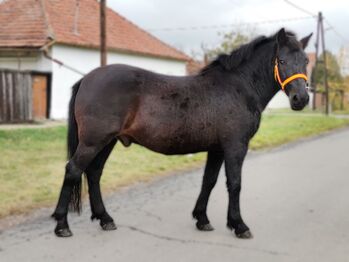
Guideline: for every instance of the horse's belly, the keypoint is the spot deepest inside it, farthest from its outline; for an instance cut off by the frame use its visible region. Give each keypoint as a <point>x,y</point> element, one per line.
<point>171,142</point>
<point>167,147</point>
<point>167,129</point>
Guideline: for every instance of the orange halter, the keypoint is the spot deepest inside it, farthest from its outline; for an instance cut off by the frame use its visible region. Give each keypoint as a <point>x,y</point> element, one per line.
<point>287,80</point>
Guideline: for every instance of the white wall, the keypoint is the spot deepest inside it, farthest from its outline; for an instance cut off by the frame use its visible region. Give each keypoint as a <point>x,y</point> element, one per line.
<point>35,62</point>
<point>280,100</point>
<point>85,60</point>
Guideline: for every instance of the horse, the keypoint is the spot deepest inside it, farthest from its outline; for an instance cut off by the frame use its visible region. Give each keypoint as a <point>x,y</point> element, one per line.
<point>217,111</point>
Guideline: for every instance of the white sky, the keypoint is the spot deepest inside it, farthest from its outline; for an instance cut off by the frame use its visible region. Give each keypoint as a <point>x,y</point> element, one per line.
<point>154,14</point>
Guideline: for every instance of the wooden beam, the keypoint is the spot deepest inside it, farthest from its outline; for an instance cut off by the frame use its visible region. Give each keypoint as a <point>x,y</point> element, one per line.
<point>103,31</point>
<point>327,99</point>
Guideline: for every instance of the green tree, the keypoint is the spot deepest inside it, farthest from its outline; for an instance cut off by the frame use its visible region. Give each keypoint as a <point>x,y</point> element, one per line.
<point>334,78</point>
<point>346,83</point>
<point>230,41</point>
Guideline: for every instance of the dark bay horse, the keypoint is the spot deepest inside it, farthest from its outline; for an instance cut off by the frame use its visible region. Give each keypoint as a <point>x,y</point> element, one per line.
<point>217,111</point>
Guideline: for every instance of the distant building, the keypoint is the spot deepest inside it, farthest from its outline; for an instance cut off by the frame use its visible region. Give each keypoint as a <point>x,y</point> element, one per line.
<point>343,60</point>
<point>56,42</point>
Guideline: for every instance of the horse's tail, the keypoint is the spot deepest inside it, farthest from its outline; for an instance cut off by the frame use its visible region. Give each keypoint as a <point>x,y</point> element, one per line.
<point>72,144</point>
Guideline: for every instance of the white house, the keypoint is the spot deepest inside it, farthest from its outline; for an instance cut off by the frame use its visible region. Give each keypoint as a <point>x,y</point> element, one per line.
<point>57,42</point>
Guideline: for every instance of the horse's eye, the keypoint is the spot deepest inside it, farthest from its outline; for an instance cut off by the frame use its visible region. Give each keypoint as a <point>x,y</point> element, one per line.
<point>282,62</point>
<point>307,61</point>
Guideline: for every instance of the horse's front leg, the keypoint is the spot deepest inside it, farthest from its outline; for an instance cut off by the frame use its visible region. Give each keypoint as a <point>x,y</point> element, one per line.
<point>213,165</point>
<point>234,157</point>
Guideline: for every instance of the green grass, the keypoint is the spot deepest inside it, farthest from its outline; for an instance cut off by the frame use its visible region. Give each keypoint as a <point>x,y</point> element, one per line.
<point>32,160</point>
<point>279,129</point>
<point>307,110</point>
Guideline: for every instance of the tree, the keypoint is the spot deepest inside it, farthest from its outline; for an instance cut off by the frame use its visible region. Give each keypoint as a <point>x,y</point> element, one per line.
<point>230,41</point>
<point>334,78</point>
<point>345,90</point>
<point>346,83</point>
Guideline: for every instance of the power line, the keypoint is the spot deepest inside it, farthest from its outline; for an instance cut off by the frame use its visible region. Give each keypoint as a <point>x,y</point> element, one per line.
<point>300,8</point>
<point>207,27</point>
<point>334,30</point>
<point>314,15</point>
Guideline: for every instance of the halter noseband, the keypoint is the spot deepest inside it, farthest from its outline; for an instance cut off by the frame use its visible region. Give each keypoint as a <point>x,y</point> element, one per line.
<point>287,80</point>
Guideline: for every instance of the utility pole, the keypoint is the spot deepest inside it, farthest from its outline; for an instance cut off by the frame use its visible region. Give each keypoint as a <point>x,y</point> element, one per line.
<point>103,33</point>
<point>313,82</point>
<point>321,34</point>
<point>327,100</point>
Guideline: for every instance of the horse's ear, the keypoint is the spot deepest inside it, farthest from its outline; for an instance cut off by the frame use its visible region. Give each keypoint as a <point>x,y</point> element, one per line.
<point>304,41</point>
<point>281,37</point>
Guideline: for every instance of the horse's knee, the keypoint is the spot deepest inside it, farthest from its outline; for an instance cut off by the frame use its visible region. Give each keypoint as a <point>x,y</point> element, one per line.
<point>209,184</point>
<point>93,175</point>
<point>234,188</point>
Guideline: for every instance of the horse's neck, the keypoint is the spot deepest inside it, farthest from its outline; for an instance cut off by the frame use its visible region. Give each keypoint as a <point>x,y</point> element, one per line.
<point>261,78</point>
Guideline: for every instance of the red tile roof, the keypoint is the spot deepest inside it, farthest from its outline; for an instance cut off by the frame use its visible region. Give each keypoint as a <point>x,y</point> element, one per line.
<point>31,23</point>
<point>194,66</point>
<point>21,24</point>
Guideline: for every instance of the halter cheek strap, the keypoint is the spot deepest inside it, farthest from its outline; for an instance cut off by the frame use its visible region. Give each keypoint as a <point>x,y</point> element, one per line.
<point>287,80</point>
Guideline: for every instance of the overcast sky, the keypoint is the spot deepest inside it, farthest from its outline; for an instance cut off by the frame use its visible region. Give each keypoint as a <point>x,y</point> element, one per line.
<point>159,14</point>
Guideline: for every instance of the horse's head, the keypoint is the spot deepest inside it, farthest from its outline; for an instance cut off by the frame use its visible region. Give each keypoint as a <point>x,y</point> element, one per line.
<point>290,68</point>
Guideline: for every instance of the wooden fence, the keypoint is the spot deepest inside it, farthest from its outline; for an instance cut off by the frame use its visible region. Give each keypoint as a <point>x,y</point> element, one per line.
<point>15,96</point>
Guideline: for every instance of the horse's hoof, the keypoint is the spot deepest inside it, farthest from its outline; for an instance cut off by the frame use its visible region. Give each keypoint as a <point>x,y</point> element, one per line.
<point>63,232</point>
<point>206,227</point>
<point>109,226</point>
<point>245,235</point>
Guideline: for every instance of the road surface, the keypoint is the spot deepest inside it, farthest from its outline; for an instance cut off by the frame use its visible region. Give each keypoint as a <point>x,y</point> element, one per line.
<point>295,200</point>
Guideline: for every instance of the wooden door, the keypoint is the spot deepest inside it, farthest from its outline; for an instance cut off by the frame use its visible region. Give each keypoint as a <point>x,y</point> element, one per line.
<point>39,97</point>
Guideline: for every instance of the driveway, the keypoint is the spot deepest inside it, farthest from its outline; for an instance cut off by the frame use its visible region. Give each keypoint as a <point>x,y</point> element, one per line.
<point>295,200</point>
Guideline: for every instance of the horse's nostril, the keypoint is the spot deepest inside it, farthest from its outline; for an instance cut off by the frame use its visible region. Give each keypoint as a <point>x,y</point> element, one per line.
<point>295,98</point>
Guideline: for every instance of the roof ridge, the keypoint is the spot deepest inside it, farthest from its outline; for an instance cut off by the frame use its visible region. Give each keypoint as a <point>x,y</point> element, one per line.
<point>146,32</point>
<point>50,32</point>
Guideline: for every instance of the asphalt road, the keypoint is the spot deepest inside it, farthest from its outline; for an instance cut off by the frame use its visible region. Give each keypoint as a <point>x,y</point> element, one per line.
<point>295,200</point>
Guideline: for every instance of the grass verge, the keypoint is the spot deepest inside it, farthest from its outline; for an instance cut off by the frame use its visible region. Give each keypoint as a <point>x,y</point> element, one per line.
<point>32,160</point>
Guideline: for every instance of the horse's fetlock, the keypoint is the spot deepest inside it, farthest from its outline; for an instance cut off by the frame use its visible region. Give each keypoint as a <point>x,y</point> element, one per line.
<point>238,225</point>
<point>201,217</point>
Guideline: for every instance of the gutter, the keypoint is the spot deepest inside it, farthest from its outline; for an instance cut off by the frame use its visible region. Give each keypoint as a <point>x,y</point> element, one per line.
<point>45,51</point>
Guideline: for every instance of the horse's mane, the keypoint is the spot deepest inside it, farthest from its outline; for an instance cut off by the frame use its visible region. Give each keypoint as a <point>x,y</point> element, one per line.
<point>244,52</point>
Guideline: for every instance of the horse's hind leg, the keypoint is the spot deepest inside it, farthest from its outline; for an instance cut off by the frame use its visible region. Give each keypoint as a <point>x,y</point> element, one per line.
<point>81,159</point>
<point>71,178</point>
<point>213,165</point>
<point>94,173</point>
